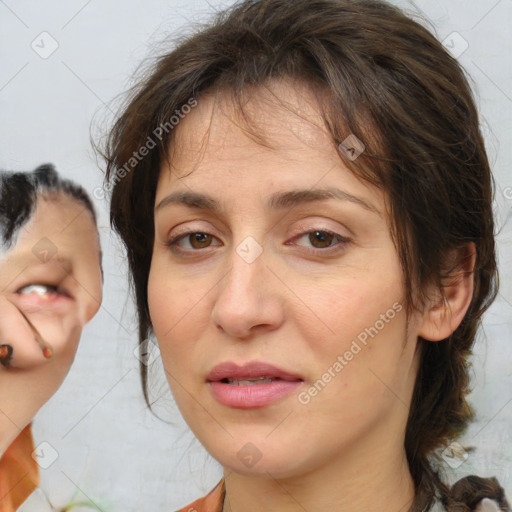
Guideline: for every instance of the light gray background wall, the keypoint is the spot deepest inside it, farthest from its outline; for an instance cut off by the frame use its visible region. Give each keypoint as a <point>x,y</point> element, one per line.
<point>110,449</point>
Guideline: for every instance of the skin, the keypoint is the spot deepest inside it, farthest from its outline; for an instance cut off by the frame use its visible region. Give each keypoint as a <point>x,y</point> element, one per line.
<point>57,316</point>
<point>294,306</point>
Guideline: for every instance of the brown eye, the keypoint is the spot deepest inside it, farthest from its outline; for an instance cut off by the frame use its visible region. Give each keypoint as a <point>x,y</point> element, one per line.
<point>200,240</point>
<point>196,240</point>
<point>324,239</point>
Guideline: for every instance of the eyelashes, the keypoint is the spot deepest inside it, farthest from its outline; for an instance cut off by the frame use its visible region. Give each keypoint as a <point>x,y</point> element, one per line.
<point>174,241</point>
<point>326,237</point>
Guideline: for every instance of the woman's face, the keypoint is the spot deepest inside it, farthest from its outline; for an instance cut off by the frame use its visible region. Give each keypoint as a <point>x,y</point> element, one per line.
<point>278,274</point>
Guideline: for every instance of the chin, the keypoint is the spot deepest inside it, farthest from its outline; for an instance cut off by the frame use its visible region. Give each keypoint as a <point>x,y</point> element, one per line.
<point>261,458</point>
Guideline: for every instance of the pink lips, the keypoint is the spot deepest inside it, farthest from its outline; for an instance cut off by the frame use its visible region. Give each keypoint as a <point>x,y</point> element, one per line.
<point>244,395</point>
<point>58,302</point>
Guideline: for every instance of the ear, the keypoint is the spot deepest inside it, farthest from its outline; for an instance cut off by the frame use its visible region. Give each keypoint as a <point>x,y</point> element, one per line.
<point>445,311</point>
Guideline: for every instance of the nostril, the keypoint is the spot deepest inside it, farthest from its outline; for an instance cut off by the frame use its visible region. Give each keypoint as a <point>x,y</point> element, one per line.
<point>5,354</point>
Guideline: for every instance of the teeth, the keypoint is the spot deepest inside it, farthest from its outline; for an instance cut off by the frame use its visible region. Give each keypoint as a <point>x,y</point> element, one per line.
<point>250,382</point>
<point>40,289</point>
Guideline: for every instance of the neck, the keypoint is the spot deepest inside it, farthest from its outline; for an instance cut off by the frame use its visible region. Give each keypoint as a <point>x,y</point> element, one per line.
<point>355,484</point>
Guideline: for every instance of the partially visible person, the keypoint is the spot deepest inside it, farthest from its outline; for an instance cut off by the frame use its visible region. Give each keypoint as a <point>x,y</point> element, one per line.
<point>50,287</point>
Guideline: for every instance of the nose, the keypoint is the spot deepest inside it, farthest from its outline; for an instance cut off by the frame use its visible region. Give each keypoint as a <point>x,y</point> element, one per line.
<point>249,298</point>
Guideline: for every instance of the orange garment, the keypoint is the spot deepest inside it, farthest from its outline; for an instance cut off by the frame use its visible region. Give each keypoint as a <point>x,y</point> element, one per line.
<point>19,474</point>
<point>212,502</point>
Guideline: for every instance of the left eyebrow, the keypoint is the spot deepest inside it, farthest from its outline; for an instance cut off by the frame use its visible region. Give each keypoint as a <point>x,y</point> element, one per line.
<point>277,201</point>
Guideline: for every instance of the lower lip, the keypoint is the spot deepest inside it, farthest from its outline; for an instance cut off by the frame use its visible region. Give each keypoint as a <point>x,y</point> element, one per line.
<point>252,395</point>
<point>34,303</point>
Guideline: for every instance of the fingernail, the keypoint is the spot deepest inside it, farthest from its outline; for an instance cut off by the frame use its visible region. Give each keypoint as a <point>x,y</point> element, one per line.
<point>5,354</point>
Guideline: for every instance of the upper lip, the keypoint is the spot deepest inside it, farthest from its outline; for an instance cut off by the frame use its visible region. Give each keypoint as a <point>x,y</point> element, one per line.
<point>250,370</point>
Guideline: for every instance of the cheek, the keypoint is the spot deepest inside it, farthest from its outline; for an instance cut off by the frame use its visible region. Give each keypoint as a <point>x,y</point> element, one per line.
<point>173,307</point>
<point>354,328</point>
<point>339,309</point>
<point>167,301</point>
<point>177,315</point>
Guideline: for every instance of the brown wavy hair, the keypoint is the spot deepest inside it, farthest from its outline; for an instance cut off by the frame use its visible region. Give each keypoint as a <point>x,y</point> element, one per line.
<point>383,77</point>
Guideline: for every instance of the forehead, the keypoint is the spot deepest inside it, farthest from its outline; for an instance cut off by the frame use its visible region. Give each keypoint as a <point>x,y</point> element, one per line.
<point>278,141</point>
<point>280,117</point>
